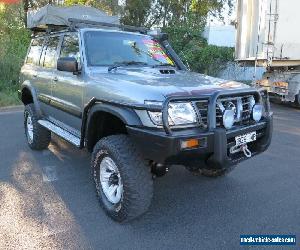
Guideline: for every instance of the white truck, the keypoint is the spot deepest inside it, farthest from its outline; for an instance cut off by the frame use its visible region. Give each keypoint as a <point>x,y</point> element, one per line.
<point>268,36</point>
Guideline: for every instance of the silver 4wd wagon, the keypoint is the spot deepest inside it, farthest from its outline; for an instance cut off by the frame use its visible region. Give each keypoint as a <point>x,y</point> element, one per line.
<point>124,94</point>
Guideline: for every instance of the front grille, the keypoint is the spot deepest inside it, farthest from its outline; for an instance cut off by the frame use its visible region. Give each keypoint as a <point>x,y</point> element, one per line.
<point>202,107</point>
<point>245,113</point>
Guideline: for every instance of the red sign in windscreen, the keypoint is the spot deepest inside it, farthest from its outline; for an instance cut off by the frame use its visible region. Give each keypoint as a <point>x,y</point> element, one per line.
<point>9,1</point>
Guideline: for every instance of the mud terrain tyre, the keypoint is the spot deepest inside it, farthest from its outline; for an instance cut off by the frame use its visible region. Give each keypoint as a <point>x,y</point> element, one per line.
<point>123,180</point>
<point>38,137</point>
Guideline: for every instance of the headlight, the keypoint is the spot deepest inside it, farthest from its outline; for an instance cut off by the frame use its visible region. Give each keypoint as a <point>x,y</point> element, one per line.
<point>180,113</point>
<point>228,118</point>
<point>257,112</point>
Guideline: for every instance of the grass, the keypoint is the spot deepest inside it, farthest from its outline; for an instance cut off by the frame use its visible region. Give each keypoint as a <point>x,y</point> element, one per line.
<point>9,98</point>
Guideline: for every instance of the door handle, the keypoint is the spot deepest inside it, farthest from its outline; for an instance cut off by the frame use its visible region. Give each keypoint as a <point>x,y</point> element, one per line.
<point>55,79</point>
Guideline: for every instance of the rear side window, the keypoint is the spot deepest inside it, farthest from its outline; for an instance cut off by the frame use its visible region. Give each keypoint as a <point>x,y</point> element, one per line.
<point>51,52</point>
<point>70,47</point>
<point>35,51</point>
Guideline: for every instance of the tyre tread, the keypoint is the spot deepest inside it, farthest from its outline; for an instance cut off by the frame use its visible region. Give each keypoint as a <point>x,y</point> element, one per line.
<point>136,177</point>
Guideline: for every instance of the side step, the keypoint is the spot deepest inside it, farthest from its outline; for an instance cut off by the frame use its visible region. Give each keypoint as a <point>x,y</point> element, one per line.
<point>60,132</point>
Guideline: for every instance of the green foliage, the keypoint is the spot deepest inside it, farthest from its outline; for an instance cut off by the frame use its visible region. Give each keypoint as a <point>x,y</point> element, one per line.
<point>14,42</point>
<point>196,53</point>
<point>208,59</point>
<point>184,36</point>
<point>167,13</point>
<point>136,12</point>
<point>109,6</point>
<point>9,98</point>
<point>71,2</point>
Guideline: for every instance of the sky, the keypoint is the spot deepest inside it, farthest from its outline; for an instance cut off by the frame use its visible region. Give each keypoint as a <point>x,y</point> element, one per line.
<point>227,17</point>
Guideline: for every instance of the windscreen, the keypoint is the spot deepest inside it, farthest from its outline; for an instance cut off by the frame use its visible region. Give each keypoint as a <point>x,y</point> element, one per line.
<point>109,48</point>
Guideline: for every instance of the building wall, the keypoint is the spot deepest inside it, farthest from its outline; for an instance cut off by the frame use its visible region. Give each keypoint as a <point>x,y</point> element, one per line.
<point>233,71</point>
<point>220,35</point>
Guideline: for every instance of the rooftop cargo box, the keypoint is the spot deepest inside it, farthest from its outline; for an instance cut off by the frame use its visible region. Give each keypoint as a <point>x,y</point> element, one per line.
<point>267,30</point>
<point>59,16</point>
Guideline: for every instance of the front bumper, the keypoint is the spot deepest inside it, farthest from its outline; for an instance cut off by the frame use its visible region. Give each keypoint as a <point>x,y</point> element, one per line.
<point>213,151</point>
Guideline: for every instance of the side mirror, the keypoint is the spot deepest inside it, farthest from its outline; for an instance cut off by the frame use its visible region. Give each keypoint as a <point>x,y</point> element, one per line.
<point>68,64</point>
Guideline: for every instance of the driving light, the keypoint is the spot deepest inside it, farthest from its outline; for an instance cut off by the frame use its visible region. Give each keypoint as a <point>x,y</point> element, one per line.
<point>257,112</point>
<point>228,118</point>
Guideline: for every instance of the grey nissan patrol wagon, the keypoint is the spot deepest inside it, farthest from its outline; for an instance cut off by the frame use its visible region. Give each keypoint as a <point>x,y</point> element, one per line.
<point>124,95</point>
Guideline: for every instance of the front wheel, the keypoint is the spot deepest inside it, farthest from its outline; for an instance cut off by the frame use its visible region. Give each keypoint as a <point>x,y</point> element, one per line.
<point>123,181</point>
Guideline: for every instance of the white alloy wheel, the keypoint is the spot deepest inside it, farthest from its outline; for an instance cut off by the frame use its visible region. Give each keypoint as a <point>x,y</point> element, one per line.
<point>29,127</point>
<point>110,180</point>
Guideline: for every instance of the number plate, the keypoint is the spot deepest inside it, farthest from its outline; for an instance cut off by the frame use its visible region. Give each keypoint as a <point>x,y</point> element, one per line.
<point>244,139</point>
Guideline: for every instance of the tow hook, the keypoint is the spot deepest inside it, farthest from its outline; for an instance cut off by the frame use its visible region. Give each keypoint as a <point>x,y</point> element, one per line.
<point>244,148</point>
<point>246,151</point>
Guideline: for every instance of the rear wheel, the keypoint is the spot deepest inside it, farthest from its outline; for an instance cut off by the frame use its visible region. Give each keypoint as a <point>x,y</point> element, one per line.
<point>38,137</point>
<point>123,180</point>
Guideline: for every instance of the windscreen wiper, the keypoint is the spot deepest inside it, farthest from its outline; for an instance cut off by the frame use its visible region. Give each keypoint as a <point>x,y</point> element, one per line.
<point>125,63</point>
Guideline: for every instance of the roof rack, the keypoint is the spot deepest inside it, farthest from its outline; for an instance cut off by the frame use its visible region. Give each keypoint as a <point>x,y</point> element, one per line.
<point>77,23</point>
<point>49,29</point>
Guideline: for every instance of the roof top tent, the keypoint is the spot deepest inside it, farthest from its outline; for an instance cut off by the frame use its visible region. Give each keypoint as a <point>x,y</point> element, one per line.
<point>52,19</point>
<point>267,32</point>
<point>49,16</point>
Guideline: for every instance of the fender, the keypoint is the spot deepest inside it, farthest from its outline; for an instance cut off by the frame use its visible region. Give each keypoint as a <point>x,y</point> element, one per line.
<point>125,114</point>
<point>27,85</point>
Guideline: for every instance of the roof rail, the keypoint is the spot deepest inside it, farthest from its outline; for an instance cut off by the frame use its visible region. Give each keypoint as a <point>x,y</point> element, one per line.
<point>77,23</point>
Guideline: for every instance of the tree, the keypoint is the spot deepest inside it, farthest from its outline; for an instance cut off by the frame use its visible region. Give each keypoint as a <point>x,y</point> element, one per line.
<point>164,13</point>
<point>109,6</point>
<point>136,12</point>
<point>14,39</point>
<point>25,8</point>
